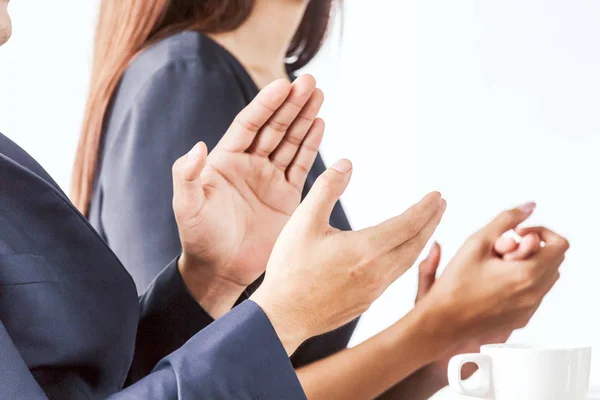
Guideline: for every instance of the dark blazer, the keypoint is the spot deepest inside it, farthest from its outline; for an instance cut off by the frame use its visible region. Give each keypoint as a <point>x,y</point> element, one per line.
<point>70,315</point>
<point>182,90</point>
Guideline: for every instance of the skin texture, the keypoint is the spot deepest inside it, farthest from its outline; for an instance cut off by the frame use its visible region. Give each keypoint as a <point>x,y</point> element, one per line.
<point>5,24</point>
<point>480,297</point>
<point>319,278</point>
<point>500,293</point>
<point>231,205</point>
<point>528,247</point>
<point>313,267</point>
<point>430,379</point>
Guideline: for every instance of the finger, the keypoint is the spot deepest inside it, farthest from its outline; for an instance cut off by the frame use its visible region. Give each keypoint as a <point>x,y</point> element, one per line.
<point>406,254</point>
<point>506,221</point>
<point>276,128</point>
<point>300,128</point>
<point>322,197</point>
<point>530,245</point>
<point>398,230</point>
<point>427,271</point>
<point>305,158</point>
<point>539,266</point>
<point>553,241</point>
<point>505,245</point>
<point>186,175</point>
<point>548,278</point>
<point>242,133</point>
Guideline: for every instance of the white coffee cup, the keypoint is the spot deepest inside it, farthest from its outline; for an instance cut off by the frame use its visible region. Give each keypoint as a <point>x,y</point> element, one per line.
<point>523,372</point>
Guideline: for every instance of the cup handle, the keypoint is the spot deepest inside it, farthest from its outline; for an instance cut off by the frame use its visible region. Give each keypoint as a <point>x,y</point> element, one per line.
<point>483,389</point>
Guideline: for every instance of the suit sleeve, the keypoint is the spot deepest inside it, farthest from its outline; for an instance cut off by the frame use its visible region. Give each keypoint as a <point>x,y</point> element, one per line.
<point>16,381</point>
<point>237,357</point>
<point>169,317</point>
<point>183,103</point>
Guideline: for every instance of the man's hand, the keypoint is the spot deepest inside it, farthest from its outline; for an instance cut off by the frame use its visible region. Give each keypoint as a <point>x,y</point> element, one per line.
<point>319,278</point>
<point>231,205</point>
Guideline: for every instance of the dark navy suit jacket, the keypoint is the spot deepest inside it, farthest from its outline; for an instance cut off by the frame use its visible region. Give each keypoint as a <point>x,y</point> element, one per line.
<point>70,315</point>
<point>184,89</point>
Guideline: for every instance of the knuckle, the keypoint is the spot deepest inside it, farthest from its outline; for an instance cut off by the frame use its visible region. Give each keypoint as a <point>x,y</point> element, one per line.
<point>301,168</point>
<point>329,185</point>
<point>246,124</point>
<point>522,322</point>
<point>279,164</point>
<point>412,228</point>
<point>294,140</point>
<point>530,301</point>
<point>278,126</point>
<point>525,277</point>
<point>365,280</point>
<point>473,243</point>
<point>523,317</point>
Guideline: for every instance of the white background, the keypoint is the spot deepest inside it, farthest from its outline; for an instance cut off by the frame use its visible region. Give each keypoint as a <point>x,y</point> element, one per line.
<point>492,103</point>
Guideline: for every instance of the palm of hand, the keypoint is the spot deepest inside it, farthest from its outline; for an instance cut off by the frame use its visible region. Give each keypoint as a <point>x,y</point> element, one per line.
<point>231,206</point>
<point>248,202</point>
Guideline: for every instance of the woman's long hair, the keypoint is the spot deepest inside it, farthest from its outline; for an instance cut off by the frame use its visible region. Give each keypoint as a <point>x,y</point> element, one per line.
<point>125,27</point>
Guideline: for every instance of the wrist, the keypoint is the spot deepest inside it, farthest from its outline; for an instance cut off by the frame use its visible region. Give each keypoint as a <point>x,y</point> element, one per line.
<point>213,293</point>
<point>427,335</point>
<point>288,328</point>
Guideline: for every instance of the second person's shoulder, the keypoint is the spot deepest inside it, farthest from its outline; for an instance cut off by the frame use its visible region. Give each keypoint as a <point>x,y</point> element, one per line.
<point>186,58</point>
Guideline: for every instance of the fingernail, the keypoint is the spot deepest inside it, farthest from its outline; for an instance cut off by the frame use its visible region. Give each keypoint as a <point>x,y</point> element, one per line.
<point>342,166</point>
<point>194,153</point>
<point>527,208</point>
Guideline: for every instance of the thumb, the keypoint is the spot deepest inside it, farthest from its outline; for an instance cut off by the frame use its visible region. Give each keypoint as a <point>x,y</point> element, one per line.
<point>427,271</point>
<point>187,188</point>
<point>326,191</point>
